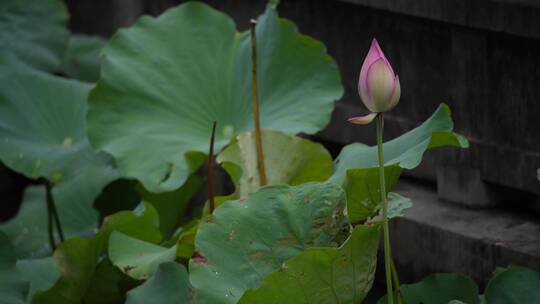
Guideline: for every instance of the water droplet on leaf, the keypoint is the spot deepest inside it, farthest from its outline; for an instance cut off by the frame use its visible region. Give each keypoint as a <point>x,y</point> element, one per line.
<point>67,143</point>
<point>57,177</point>
<point>228,131</point>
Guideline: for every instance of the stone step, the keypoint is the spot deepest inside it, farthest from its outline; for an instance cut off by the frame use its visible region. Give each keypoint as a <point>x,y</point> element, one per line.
<point>438,236</point>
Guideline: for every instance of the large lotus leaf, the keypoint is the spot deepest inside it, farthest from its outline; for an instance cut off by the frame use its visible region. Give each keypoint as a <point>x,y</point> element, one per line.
<point>245,240</point>
<point>406,150</point>
<point>288,160</point>
<point>363,190</point>
<point>76,259</point>
<point>43,134</point>
<point>82,57</point>
<point>169,285</point>
<point>172,206</point>
<point>323,275</point>
<point>13,286</point>
<point>43,124</point>
<point>34,31</point>
<point>514,285</point>
<point>137,258</point>
<point>440,288</point>
<point>40,273</point>
<point>165,80</point>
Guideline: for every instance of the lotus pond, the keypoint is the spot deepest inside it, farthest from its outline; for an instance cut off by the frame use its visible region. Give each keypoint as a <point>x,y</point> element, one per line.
<point>127,141</point>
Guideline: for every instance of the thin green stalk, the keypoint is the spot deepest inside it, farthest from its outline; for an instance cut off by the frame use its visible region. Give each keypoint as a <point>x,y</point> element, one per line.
<point>54,212</point>
<point>48,200</point>
<point>386,232</point>
<point>256,113</point>
<point>210,166</point>
<point>395,279</point>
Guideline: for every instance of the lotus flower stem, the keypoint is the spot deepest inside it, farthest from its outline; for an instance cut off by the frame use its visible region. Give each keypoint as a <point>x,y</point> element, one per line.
<point>52,215</point>
<point>395,279</point>
<point>386,232</point>
<point>57,221</point>
<point>255,99</point>
<point>210,167</point>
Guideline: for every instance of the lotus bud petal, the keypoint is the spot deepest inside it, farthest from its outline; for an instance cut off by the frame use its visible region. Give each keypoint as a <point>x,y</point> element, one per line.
<point>378,85</point>
<point>363,120</point>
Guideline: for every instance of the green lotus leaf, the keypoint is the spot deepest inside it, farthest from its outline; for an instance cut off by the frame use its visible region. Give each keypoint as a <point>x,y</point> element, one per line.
<point>43,135</point>
<point>169,285</point>
<point>13,286</point>
<point>514,285</point>
<point>81,60</point>
<point>323,275</point>
<point>43,124</point>
<point>136,258</point>
<point>185,246</point>
<point>76,259</point>
<point>288,160</point>
<point>440,288</point>
<point>244,240</point>
<point>40,273</point>
<point>172,206</point>
<point>363,190</point>
<point>406,151</point>
<point>34,31</point>
<point>165,80</point>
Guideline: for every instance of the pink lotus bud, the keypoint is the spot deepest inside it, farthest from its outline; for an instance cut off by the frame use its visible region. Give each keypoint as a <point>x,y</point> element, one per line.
<point>378,84</point>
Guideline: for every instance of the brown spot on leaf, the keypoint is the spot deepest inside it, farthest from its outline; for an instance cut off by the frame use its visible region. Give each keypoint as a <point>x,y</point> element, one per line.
<point>191,294</point>
<point>289,240</point>
<point>336,214</point>
<point>320,225</point>
<point>258,255</point>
